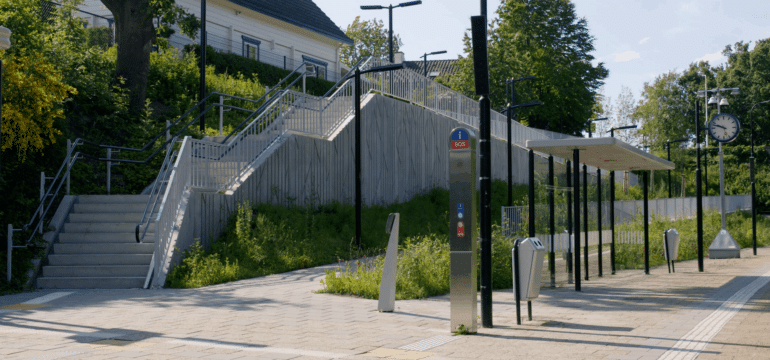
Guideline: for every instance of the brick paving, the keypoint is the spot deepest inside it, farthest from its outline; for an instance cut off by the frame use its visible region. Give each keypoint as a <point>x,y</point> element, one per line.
<point>629,315</point>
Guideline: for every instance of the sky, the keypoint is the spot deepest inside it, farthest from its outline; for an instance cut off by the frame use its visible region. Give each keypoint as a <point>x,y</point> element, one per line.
<point>637,40</point>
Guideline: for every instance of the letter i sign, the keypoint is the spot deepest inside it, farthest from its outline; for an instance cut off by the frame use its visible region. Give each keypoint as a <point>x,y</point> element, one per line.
<point>460,140</point>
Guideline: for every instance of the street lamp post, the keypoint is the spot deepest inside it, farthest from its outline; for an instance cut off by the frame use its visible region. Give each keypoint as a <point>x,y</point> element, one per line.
<point>357,104</point>
<point>590,122</point>
<point>668,150</point>
<point>425,61</point>
<point>753,188</point>
<point>5,44</point>
<point>612,202</point>
<point>390,20</point>
<point>511,97</point>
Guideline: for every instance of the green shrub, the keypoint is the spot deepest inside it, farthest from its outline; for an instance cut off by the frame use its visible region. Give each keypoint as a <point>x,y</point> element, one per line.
<point>263,73</point>
<point>423,270</point>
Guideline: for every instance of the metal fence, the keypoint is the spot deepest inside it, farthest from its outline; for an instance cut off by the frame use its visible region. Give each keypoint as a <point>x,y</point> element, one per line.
<point>515,218</point>
<point>99,29</point>
<point>260,53</point>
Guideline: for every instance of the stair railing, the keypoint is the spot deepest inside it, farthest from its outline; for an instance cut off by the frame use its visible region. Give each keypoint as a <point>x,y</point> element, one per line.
<point>158,187</point>
<point>179,181</point>
<point>47,200</point>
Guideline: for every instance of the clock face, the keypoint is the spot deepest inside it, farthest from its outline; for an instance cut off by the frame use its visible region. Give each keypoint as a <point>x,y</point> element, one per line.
<point>724,128</point>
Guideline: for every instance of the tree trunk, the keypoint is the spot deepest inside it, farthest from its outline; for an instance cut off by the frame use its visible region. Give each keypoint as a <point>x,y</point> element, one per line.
<point>134,35</point>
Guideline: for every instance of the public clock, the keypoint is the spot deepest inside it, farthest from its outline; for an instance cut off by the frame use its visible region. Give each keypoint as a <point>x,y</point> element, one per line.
<point>724,127</point>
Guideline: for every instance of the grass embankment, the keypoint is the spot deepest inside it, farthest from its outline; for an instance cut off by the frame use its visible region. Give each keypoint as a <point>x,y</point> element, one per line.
<point>265,239</point>
<point>738,223</point>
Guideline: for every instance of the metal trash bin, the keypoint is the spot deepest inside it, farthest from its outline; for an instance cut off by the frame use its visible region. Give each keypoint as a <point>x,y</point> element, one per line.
<point>670,247</point>
<point>531,254</point>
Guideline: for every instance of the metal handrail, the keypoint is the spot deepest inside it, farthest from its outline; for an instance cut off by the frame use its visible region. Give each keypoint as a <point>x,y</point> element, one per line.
<point>346,77</point>
<point>152,202</point>
<point>266,104</point>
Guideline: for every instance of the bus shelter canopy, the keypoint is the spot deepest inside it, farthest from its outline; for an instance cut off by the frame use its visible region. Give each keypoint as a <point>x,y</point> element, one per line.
<point>603,153</point>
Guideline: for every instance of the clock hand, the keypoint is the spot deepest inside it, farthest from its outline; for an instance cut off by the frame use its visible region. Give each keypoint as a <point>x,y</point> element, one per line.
<point>720,126</point>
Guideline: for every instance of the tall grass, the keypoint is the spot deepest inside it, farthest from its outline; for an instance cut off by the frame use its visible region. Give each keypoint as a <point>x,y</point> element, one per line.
<point>738,223</point>
<point>423,269</point>
<point>265,239</point>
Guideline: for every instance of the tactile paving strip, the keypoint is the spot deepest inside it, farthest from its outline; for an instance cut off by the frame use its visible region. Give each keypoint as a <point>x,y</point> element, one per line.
<point>429,343</point>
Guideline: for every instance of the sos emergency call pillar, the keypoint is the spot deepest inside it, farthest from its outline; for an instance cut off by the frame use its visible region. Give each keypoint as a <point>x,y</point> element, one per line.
<point>462,230</point>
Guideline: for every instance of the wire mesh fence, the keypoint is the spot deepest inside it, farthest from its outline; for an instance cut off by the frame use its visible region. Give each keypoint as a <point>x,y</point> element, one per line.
<point>99,29</point>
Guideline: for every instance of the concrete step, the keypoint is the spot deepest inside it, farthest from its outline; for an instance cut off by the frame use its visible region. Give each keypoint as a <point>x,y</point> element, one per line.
<point>98,259</point>
<point>96,271</point>
<point>102,248</point>
<point>104,227</point>
<point>122,217</point>
<point>106,238</point>
<point>113,199</point>
<point>90,282</point>
<point>109,208</point>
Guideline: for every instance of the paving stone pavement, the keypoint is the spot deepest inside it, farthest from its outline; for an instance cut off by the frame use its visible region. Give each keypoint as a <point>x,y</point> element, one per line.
<point>629,315</point>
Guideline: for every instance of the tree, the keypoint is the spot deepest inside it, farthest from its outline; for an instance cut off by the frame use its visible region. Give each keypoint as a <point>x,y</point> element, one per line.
<point>136,32</point>
<point>371,39</point>
<point>546,39</point>
<point>32,97</point>
<point>625,105</point>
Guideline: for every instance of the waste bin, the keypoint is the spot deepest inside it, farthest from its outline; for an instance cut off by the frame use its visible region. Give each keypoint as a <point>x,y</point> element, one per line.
<point>529,262</point>
<point>671,247</point>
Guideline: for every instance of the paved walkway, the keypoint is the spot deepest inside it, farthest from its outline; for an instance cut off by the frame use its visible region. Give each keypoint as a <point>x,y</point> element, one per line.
<point>722,313</point>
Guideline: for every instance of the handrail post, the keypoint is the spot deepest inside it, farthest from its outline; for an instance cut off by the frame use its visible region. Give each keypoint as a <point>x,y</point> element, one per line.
<point>42,206</point>
<point>109,169</point>
<point>10,249</point>
<point>221,112</point>
<point>168,132</point>
<point>67,161</point>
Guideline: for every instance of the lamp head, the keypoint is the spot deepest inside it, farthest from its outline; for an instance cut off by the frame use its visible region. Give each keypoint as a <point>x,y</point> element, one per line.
<point>723,102</point>
<point>409,3</point>
<point>712,100</point>
<point>372,7</point>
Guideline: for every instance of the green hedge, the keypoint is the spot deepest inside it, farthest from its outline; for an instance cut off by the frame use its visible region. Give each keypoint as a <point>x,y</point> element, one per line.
<point>265,74</point>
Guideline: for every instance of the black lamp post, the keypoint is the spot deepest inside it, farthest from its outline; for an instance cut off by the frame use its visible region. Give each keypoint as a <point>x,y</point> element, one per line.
<point>753,188</point>
<point>425,60</point>
<point>590,122</point>
<point>511,95</point>
<point>612,202</point>
<point>668,149</point>
<point>357,106</point>
<point>390,20</point>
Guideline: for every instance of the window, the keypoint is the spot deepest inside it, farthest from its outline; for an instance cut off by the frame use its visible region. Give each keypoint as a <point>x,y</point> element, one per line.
<point>250,47</point>
<point>318,65</point>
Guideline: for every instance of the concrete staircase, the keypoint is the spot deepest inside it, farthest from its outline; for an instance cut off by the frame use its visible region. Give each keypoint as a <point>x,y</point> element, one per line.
<point>97,248</point>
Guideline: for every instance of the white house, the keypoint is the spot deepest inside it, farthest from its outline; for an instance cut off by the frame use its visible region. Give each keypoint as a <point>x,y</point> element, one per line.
<point>283,33</point>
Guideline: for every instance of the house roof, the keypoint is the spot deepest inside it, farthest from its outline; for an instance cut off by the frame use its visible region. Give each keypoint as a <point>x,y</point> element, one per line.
<point>441,67</point>
<point>303,13</point>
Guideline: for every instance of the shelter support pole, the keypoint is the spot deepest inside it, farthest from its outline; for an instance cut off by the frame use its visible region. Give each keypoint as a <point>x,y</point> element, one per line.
<point>585,216</point>
<point>552,223</point>
<point>612,220</point>
<point>531,193</point>
<point>599,214</point>
<point>645,175</point>
<point>576,190</point>
<point>569,223</point>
